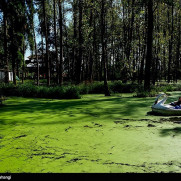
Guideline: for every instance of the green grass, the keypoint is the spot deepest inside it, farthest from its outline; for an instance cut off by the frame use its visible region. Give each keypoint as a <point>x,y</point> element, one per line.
<point>92,134</point>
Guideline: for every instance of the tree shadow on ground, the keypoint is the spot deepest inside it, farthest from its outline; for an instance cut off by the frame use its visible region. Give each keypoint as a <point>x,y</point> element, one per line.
<point>107,107</point>
<point>168,132</point>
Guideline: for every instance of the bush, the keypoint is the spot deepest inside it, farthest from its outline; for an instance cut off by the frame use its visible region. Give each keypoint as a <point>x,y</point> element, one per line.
<point>7,89</point>
<point>166,88</point>
<point>72,92</point>
<point>26,90</point>
<point>140,92</point>
<point>96,88</point>
<point>129,88</point>
<point>176,87</point>
<point>42,92</point>
<point>84,88</point>
<point>53,92</point>
<point>29,90</point>
<point>152,93</point>
<point>116,87</point>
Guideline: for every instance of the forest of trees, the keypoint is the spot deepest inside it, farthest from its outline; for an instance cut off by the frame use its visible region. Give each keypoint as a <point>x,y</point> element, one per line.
<point>94,40</point>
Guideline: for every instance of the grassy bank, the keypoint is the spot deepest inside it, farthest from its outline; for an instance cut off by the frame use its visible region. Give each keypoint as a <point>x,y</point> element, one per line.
<point>92,134</point>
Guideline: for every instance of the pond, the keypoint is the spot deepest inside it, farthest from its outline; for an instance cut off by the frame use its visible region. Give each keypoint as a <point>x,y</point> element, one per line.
<point>95,134</point>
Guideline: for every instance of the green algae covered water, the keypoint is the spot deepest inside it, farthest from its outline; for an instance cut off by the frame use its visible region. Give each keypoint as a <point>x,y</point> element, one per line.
<point>95,134</point>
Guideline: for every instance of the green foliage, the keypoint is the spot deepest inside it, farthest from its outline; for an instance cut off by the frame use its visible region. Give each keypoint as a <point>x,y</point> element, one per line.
<point>165,88</point>
<point>71,92</point>
<point>74,92</point>
<point>7,89</point>
<point>177,87</point>
<point>84,88</point>
<point>96,88</point>
<point>26,90</point>
<point>114,87</point>
<point>29,90</point>
<point>151,93</point>
<point>140,92</point>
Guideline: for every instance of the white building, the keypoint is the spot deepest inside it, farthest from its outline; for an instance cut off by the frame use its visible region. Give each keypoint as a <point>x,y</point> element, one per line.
<point>2,75</point>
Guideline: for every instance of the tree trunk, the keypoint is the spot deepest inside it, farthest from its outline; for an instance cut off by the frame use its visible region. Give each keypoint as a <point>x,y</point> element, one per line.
<point>36,55</point>
<point>13,52</point>
<point>149,46</point>
<point>130,37</point>
<point>103,41</point>
<point>79,60</point>
<point>74,58</point>
<point>42,53</point>
<point>23,67</point>
<point>6,46</point>
<point>46,39</point>
<point>55,35</point>
<point>170,49</point>
<point>91,50</point>
<point>178,49</point>
<point>61,43</point>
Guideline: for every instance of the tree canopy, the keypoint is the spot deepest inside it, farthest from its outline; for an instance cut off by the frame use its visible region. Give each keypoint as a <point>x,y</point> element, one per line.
<point>89,40</point>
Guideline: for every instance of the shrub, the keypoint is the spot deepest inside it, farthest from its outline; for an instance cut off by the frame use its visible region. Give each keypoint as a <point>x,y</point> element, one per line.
<point>151,93</point>
<point>116,87</point>
<point>140,92</point>
<point>26,90</point>
<point>176,87</point>
<point>129,88</point>
<point>29,90</point>
<point>54,92</point>
<point>96,88</point>
<point>42,92</point>
<point>72,92</point>
<point>8,89</point>
<point>84,88</point>
<point>166,88</point>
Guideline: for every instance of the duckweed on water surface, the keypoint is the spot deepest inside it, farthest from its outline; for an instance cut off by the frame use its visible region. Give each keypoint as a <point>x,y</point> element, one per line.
<point>92,134</point>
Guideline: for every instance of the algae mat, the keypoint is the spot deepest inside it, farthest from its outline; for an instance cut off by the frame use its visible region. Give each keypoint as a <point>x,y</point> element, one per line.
<point>95,134</point>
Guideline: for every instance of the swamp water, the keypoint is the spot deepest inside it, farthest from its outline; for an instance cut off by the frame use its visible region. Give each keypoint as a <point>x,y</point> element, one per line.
<point>95,134</point>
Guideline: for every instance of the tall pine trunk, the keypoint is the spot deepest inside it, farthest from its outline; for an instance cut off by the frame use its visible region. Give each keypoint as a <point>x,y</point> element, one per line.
<point>6,46</point>
<point>149,46</point>
<point>61,43</point>
<point>46,39</point>
<point>80,58</point>
<point>74,49</point>
<point>170,48</point>
<point>36,56</point>
<point>91,49</point>
<point>178,48</point>
<point>103,42</point>
<point>55,35</point>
